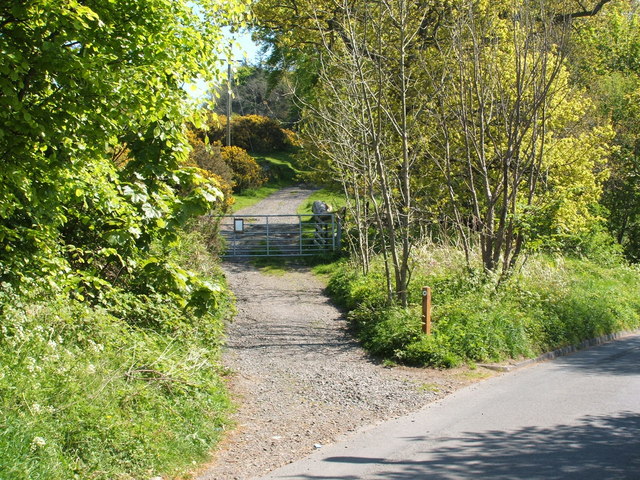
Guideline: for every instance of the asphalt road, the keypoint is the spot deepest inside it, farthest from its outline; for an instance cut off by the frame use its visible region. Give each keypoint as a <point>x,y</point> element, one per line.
<point>576,417</point>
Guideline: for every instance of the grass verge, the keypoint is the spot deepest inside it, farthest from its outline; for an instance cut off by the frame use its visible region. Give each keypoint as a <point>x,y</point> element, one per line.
<point>552,302</point>
<point>130,388</point>
<point>252,196</point>
<point>335,199</point>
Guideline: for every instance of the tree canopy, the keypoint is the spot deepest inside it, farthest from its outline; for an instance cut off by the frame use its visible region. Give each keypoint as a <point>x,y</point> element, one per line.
<point>92,139</point>
<point>460,121</point>
<point>606,61</point>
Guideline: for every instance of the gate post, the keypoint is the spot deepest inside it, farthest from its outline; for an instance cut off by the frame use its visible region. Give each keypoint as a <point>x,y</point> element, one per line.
<point>267,222</point>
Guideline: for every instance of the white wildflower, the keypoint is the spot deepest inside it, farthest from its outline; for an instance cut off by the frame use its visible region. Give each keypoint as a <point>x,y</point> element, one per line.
<point>52,344</point>
<point>91,368</point>
<point>38,442</point>
<point>31,364</point>
<point>96,347</point>
<point>36,408</point>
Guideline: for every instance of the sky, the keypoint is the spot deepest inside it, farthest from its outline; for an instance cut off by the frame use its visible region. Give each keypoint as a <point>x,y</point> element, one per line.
<point>248,47</point>
<point>247,51</point>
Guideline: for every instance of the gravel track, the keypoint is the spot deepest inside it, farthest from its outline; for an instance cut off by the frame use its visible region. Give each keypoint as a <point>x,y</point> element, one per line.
<point>300,380</point>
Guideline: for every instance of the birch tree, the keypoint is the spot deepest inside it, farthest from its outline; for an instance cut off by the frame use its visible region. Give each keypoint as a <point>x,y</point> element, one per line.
<point>363,120</point>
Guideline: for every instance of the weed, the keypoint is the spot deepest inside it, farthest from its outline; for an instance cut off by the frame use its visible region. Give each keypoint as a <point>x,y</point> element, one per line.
<point>429,387</point>
<point>475,374</point>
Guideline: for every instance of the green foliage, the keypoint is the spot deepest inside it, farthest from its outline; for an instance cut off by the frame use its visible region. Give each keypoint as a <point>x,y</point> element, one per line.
<point>81,84</point>
<point>99,398</point>
<point>488,141</point>
<point>350,289</point>
<point>127,389</point>
<point>246,171</point>
<point>606,62</point>
<point>550,303</point>
<point>108,338</point>
<point>279,167</point>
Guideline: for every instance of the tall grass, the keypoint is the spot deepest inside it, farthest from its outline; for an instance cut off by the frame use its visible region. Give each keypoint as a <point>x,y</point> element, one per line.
<point>552,301</point>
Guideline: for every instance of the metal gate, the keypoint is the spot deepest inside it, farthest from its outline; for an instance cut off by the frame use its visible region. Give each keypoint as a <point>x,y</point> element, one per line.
<point>280,235</point>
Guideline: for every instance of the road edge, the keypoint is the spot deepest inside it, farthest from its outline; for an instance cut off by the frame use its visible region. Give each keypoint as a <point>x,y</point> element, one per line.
<point>561,352</point>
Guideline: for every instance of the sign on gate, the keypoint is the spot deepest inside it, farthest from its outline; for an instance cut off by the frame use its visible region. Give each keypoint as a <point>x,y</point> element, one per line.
<point>280,235</point>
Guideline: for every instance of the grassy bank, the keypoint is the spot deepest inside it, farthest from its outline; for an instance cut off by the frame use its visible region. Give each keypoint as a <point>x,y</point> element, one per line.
<point>127,388</point>
<point>281,171</point>
<point>549,303</point>
<point>335,199</point>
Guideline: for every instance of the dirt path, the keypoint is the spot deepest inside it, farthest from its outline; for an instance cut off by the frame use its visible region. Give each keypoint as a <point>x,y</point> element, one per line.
<point>300,379</point>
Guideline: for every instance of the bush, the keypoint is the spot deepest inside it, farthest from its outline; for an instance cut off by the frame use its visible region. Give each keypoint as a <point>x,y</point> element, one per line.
<point>212,167</point>
<point>100,397</point>
<point>428,351</point>
<point>246,172</point>
<point>209,158</point>
<point>254,133</point>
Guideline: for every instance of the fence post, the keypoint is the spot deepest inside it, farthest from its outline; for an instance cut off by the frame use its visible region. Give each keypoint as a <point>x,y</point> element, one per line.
<point>426,310</point>
<point>332,232</point>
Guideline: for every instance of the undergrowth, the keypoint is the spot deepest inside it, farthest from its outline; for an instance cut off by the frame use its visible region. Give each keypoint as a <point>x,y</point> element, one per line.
<point>551,302</point>
<point>127,388</point>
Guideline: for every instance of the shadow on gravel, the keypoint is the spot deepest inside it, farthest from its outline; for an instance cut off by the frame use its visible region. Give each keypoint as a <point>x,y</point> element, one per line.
<point>249,264</point>
<point>296,339</point>
<point>599,447</point>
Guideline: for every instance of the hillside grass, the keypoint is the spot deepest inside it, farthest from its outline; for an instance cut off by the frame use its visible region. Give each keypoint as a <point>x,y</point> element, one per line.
<point>281,170</point>
<point>551,302</point>
<point>335,199</point>
<point>128,388</point>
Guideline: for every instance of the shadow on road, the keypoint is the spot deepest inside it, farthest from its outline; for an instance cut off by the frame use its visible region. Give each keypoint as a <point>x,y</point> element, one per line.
<point>621,357</point>
<point>599,447</point>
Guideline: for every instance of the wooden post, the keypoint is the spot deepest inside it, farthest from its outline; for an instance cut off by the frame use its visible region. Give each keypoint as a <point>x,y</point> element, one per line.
<point>426,310</point>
